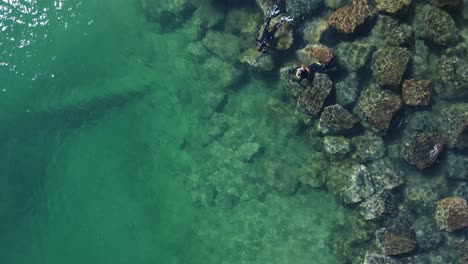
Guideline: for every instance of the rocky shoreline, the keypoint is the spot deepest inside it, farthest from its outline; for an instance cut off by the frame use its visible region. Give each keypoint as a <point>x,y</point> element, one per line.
<point>388,131</point>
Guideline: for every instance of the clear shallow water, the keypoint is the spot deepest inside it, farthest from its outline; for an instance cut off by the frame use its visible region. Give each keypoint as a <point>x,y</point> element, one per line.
<point>101,131</point>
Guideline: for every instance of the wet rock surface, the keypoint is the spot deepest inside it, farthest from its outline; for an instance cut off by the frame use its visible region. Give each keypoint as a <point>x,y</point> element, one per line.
<point>367,147</point>
<point>396,240</point>
<point>258,61</point>
<point>347,18</point>
<point>423,150</point>
<point>435,25</point>
<point>377,108</point>
<point>336,119</point>
<point>336,147</point>
<point>312,99</point>
<point>354,55</point>
<point>452,214</point>
<point>351,182</point>
<point>388,31</point>
<point>416,92</point>
<point>315,53</point>
<point>392,6</point>
<point>389,64</point>
<point>347,91</point>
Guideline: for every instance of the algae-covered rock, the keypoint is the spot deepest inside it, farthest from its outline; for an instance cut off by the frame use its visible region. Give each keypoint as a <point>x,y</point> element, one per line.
<point>251,21</point>
<point>350,182</point>
<point>452,214</point>
<point>210,71</point>
<point>423,149</point>
<point>207,16</point>
<point>315,53</point>
<point>299,8</point>
<point>265,5</point>
<point>416,92</point>
<point>347,90</point>
<point>377,108</point>
<point>453,122</point>
<point>436,25</point>
<point>428,235</point>
<point>282,177</point>
<point>197,51</point>
<point>248,151</point>
<point>425,64</point>
<point>446,3</point>
<point>346,19</point>
<point>453,70</point>
<point>374,258</point>
<point>389,32</point>
<point>313,30</point>
<point>315,169</point>
<point>385,174</point>
<point>336,147</point>
<point>353,56</point>
<point>456,166</point>
<point>389,64</point>
<point>377,206</point>
<point>396,240</point>
<point>334,4</point>
<point>336,119</point>
<point>367,147</point>
<point>392,6</point>
<point>258,61</point>
<point>223,45</point>
<point>311,101</point>
<point>167,12</point>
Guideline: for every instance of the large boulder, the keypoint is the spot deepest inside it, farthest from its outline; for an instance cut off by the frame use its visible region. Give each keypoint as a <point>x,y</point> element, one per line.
<point>336,119</point>
<point>313,30</point>
<point>167,12</point>
<point>315,53</point>
<point>377,108</point>
<point>289,83</point>
<point>385,174</point>
<point>392,6</point>
<point>389,64</point>
<point>353,56</point>
<point>347,90</point>
<point>377,206</point>
<point>346,19</point>
<point>336,147</point>
<point>446,3</point>
<point>435,25</point>
<point>396,240</point>
<point>352,183</point>
<point>311,101</point>
<point>367,147</point>
<point>210,72</point>
<point>284,36</point>
<point>258,61</point>
<point>452,214</point>
<point>453,69</point>
<point>389,32</point>
<point>416,92</point>
<point>223,45</point>
<point>456,166</point>
<point>300,8</point>
<point>423,149</point>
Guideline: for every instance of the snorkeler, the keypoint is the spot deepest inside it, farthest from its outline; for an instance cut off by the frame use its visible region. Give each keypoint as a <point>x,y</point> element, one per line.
<point>267,34</point>
<point>309,72</point>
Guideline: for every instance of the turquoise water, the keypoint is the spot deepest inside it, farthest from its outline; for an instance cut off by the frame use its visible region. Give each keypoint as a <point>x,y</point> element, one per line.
<point>104,136</point>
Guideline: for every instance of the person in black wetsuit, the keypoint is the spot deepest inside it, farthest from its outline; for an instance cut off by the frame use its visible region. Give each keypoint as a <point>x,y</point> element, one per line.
<point>309,72</point>
<point>267,34</point>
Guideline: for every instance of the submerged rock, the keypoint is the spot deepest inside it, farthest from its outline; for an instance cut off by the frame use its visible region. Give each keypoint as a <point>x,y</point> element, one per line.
<point>258,61</point>
<point>367,147</point>
<point>456,166</point>
<point>425,64</point>
<point>385,175</point>
<point>351,182</point>
<point>453,122</point>
<point>223,45</point>
<point>423,149</point>
<point>354,55</point>
<point>197,51</point>
<point>389,32</point>
<point>389,64</point>
<point>312,31</point>
<point>392,6</point>
<point>377,108</point>
<point>288,82</point>
<point>313,98</point>
<point>446,3</point>
<point>336,146</point>
<point>453,70</point>
<point>336,119</point>
<point>315,53</point>
<point>299,8</point>
<point>346,19</point>
<point>416,92</point>
<point>167,12</point>
<point>377,206</point>
<point>347,90</point>
<point>452,214</point>
<point>436,25</point>
<point>210,71</point>
<point>396,240</point>
<point>334,4</point>
<point>428,235</point>
<point>284,36</point>
<point>374,258</point>
<point>248,151</point>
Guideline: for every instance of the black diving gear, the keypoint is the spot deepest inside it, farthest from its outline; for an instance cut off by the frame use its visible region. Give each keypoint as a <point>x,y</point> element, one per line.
<point>267,34</point>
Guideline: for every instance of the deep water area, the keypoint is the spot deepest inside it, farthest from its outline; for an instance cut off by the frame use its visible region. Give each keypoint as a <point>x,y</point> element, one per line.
<point>155,132</point>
